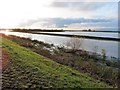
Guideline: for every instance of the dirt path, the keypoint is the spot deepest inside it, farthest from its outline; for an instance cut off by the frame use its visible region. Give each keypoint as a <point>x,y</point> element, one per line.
<point>4,56</point>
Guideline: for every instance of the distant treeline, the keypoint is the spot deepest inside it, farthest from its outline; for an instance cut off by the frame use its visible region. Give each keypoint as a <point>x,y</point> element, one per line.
<point>36,30</point>
<point>92,31</point>
<point>55,30</point>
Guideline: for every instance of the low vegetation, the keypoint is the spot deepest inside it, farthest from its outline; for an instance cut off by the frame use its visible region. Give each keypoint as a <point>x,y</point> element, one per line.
<point>104,70</point>
<point>27,69</point>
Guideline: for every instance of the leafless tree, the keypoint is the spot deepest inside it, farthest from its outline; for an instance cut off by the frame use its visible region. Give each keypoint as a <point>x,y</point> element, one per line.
<point>74,43</point>
<point>103,55</point>
<point>95,49</point>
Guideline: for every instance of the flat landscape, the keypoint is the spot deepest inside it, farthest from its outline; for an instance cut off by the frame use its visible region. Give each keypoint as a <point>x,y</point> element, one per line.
<point>59,44</point>
<point>27,69</point>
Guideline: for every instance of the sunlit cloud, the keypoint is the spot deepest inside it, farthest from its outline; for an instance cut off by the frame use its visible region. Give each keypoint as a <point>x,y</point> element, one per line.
<point>89,9</point>
<point>71,23</point>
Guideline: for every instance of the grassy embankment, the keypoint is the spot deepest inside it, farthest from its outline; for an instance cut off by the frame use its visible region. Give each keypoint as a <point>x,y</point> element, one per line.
<point>82,61</point>
<point>27,69</point>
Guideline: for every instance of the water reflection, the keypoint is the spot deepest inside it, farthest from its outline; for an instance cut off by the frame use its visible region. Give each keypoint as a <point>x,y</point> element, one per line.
<point>111,47</point>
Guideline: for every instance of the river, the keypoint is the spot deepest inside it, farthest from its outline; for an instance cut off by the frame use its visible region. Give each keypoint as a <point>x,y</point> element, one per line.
<point>111,47</point>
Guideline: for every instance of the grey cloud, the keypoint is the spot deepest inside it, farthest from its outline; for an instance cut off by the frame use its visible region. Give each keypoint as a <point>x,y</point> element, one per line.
<point>108,26</point>
<point>86,6</point>
<point>113,23</point>
<point>60,22</point>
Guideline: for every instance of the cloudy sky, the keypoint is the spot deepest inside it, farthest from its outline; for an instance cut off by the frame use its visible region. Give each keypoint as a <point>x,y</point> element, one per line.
<point>66,14</point>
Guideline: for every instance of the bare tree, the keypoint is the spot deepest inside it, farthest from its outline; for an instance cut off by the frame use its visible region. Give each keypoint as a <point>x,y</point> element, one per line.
<point>103,55</point>
<point>95,49</point>
<point>74,43</point>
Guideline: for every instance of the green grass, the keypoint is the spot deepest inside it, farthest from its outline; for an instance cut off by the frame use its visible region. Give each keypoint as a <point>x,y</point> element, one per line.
<point>28,69</point>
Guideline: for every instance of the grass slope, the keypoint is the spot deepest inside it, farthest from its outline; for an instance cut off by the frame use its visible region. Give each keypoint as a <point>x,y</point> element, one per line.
<point>27,69</point>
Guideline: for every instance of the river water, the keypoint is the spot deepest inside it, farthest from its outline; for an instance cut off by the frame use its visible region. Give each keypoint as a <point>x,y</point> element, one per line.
<point>111,47</point>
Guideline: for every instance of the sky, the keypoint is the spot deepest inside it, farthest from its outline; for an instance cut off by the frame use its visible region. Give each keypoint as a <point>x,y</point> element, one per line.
<point>59,14</point>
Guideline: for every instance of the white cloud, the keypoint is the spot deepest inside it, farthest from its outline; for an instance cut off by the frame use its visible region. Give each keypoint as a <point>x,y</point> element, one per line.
<point>14,12</point>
